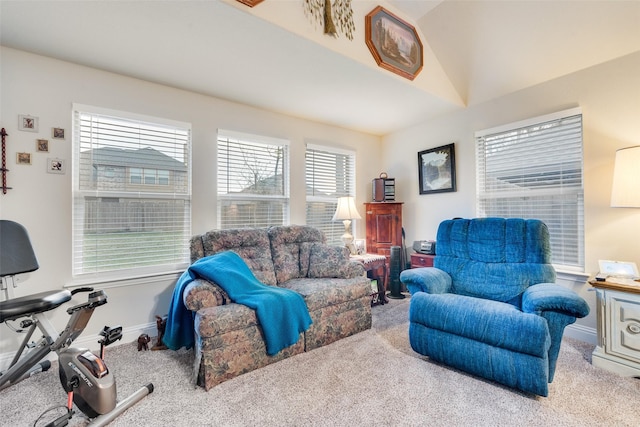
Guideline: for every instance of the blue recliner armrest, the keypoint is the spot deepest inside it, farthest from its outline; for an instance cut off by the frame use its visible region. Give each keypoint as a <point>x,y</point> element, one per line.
<point>560,307</point>
<point>553,297</point>
<point>431,280</point>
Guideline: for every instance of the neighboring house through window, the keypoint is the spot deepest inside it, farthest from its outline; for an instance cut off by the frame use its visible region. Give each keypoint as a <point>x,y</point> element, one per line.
<point>253,180</point>
<point>329,174</point>
<point>534,169</point>
<point>131,194</point>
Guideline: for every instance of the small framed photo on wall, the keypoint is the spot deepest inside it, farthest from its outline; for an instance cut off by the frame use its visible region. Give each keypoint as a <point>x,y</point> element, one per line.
<point>27,123</point>
<point>42,145</point>
<point>57,133</point>
<point>23,158</point>
<point>56,166</point>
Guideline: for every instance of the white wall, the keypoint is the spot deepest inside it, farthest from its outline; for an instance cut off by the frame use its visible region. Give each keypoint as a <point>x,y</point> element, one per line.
<point>609,95</point>
<point>46,88</point>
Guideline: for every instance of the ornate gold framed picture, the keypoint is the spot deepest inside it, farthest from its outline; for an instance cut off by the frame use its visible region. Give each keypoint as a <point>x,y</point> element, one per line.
<point>394,43</point>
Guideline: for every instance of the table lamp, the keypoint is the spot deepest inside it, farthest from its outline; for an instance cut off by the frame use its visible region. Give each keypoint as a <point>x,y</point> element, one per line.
<point>625,191</point>
<point>346,211</point>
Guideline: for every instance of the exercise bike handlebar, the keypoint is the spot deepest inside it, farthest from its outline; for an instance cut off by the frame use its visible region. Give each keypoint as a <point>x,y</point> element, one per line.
<point>78,290</point>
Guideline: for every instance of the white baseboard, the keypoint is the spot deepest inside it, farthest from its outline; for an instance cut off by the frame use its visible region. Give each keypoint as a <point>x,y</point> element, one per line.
<point>129,335</point>
<point>581,333</point>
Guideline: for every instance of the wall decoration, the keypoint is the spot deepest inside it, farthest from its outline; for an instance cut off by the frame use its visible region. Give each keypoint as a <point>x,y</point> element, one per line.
<point>4,169</point>
<point>42,145</point>
<point>394,43</point>
<point>323,11</point>
<point>57,133</point>
<point>56,166</point>
<point>437,169</point>
<point>23,158</point>
<point>250,3</point>
<point>27,123</point>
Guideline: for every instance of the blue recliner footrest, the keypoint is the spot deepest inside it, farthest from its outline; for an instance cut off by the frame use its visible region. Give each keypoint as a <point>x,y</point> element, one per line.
<point>491,322</point>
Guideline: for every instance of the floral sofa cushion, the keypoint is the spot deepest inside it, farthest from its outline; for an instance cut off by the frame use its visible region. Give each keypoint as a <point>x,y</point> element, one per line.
<point>251,244</point>
<point>328,261</point>
<point>289,249</point>
<point>328,292</point>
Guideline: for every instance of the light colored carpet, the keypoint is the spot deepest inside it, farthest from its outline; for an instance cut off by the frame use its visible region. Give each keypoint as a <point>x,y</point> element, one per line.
<point>372,378</point>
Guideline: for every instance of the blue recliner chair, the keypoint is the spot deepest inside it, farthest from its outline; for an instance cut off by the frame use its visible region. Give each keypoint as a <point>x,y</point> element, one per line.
<point>489,305</point>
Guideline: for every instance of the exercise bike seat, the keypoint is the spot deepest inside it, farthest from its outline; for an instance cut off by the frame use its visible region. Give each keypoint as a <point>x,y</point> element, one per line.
<point>32,304</point>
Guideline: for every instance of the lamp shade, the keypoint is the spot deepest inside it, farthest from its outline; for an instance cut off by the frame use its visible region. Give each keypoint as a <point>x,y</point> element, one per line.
<point>625,192</point>
<point>346,209</point>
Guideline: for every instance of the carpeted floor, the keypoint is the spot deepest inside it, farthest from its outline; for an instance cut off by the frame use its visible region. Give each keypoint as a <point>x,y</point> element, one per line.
<point>372,378</point>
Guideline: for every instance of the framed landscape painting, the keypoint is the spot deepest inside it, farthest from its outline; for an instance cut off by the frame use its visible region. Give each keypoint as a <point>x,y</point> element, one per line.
<point>394,43</point>
<point>437,169</point>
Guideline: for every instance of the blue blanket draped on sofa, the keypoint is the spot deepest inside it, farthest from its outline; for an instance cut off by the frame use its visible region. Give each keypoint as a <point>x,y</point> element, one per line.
<point>282,313</point>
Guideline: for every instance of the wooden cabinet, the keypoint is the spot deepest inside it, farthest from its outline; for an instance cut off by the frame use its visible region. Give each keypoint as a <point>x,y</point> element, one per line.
<point>421,260</point>
<point>618,348</point>
<point>384,228</point>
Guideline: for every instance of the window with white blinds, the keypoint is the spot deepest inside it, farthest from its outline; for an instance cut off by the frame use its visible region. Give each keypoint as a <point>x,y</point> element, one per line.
<point>253,181</point>
<point>330,173</point>
<point>534,169</point>
<point>131,194</point>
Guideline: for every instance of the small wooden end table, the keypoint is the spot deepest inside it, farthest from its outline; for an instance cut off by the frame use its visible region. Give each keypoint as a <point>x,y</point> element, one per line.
<point>373,263</point>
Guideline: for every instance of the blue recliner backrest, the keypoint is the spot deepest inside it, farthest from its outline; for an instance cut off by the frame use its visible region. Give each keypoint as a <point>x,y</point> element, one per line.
<point>494,258</point>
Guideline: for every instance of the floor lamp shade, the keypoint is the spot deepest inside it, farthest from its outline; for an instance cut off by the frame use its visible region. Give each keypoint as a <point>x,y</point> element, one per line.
<point>625,191</point>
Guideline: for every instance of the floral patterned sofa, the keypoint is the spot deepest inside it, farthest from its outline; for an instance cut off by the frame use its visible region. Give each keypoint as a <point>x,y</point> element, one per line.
<point>228,336</point>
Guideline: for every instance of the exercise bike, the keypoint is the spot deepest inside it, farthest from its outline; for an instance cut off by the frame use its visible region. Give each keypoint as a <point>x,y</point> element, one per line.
<point>89,384</point>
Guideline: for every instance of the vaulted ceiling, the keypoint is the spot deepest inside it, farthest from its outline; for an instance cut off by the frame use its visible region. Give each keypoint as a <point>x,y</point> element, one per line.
<point>474,51</point>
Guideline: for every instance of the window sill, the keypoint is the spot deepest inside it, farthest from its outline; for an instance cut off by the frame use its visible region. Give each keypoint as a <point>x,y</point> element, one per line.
<point>106,283</point>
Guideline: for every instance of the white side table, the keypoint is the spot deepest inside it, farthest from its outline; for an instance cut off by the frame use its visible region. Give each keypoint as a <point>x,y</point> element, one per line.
<point>618,310</point>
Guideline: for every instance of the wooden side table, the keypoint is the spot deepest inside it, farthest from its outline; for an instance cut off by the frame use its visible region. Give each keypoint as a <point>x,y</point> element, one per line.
<point>373,264</point>
<point>421,260</point>
<point>618,310</point>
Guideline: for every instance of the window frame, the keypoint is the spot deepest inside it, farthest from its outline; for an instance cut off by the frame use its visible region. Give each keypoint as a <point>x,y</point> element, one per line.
<point>82,192</point>
<point>223,196</point>
<point>333,230</point>
<point>561,187</point>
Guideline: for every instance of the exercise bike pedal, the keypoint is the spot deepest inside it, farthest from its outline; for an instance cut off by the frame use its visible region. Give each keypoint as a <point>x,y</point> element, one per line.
<point>26,323</point>
<point>110,335</point>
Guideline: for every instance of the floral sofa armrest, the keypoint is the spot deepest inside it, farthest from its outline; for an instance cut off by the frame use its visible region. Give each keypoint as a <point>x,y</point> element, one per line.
<point>201,294</point>
<point>354,269</point>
